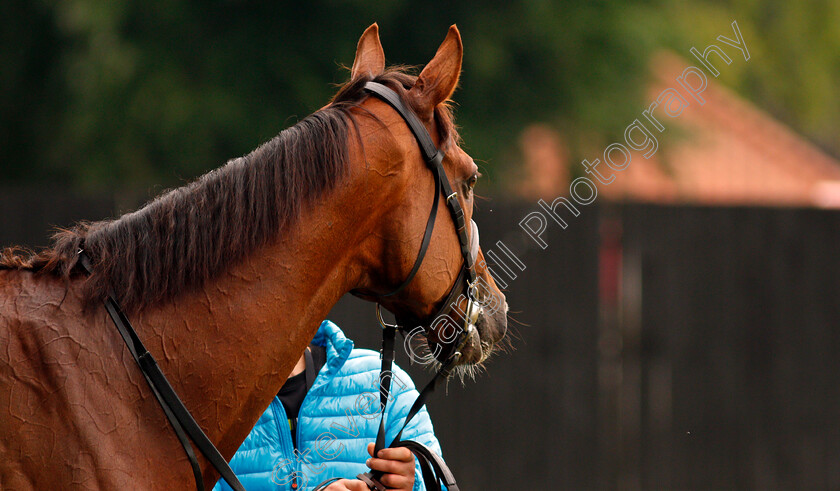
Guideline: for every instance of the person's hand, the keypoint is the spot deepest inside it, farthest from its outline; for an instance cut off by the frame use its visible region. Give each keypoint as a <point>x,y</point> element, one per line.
<point>347,485</point>
<point>397,465</point>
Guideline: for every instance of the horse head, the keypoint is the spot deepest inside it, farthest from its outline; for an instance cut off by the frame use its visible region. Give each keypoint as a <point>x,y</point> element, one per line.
<point>424,262</point>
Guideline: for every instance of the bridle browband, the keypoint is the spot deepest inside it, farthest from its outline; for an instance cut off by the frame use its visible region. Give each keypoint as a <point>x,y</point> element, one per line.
<point>432,466</point>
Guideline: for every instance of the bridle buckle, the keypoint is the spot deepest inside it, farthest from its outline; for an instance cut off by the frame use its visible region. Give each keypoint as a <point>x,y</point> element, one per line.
<point>382,322</point>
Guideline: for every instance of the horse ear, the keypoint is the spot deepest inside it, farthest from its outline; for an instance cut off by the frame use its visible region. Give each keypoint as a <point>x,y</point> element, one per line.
<point>439,78</point>
<point>370,58</point>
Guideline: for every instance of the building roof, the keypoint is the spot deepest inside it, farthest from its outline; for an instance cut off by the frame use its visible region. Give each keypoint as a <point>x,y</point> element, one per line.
<point>725,152</point>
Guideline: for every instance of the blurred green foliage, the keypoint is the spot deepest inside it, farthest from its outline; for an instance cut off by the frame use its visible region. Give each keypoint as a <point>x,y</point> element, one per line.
<point>126,93</point>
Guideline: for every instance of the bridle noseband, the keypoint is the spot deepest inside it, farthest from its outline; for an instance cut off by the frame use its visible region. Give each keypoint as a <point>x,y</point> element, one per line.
<point>465,284</point>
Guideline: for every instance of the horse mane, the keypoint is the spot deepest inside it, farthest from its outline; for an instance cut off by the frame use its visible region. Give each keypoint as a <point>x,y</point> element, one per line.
<point>191,234</point>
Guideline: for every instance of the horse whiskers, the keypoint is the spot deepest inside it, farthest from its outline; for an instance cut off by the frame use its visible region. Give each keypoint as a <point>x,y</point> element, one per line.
<point>421,353</point>
<point>469,372</point>
<point>465,372</point>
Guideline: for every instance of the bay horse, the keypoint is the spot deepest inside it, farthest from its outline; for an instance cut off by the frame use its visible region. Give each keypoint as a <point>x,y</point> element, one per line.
<point>226,280</point>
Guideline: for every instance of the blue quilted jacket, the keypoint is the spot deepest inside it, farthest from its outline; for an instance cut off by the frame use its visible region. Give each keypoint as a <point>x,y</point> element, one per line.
<point>338,418</point>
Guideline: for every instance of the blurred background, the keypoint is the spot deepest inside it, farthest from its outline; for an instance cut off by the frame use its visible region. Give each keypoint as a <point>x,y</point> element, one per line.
<point>681,333</point>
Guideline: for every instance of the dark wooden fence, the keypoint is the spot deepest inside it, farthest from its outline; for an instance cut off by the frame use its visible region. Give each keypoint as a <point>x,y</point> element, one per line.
<point>653,348</point>
<point>738,353</point>
<point>660,348</point>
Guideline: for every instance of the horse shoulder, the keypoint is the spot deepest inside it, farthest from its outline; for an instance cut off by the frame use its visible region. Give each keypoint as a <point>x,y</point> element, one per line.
<point>57,372</point>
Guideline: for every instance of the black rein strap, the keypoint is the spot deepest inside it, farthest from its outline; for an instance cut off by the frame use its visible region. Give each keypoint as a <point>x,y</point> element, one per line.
<point>178,415</point>
<point>434,469</point>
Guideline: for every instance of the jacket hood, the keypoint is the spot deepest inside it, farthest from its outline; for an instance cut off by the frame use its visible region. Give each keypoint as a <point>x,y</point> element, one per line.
<point>338,347</point>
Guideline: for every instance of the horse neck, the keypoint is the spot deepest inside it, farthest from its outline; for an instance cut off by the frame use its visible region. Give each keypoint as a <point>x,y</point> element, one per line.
<point>228,347</point>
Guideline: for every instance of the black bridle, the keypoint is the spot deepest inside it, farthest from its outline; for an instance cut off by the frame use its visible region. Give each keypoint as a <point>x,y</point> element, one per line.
<point>465,284</point>
<point>434,469</point>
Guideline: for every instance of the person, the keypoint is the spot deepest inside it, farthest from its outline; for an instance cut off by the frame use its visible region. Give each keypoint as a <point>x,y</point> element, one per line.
<point>323,421</point>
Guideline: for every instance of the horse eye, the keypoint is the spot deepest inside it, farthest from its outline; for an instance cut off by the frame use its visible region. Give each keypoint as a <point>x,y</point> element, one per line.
<point>471,182</point>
